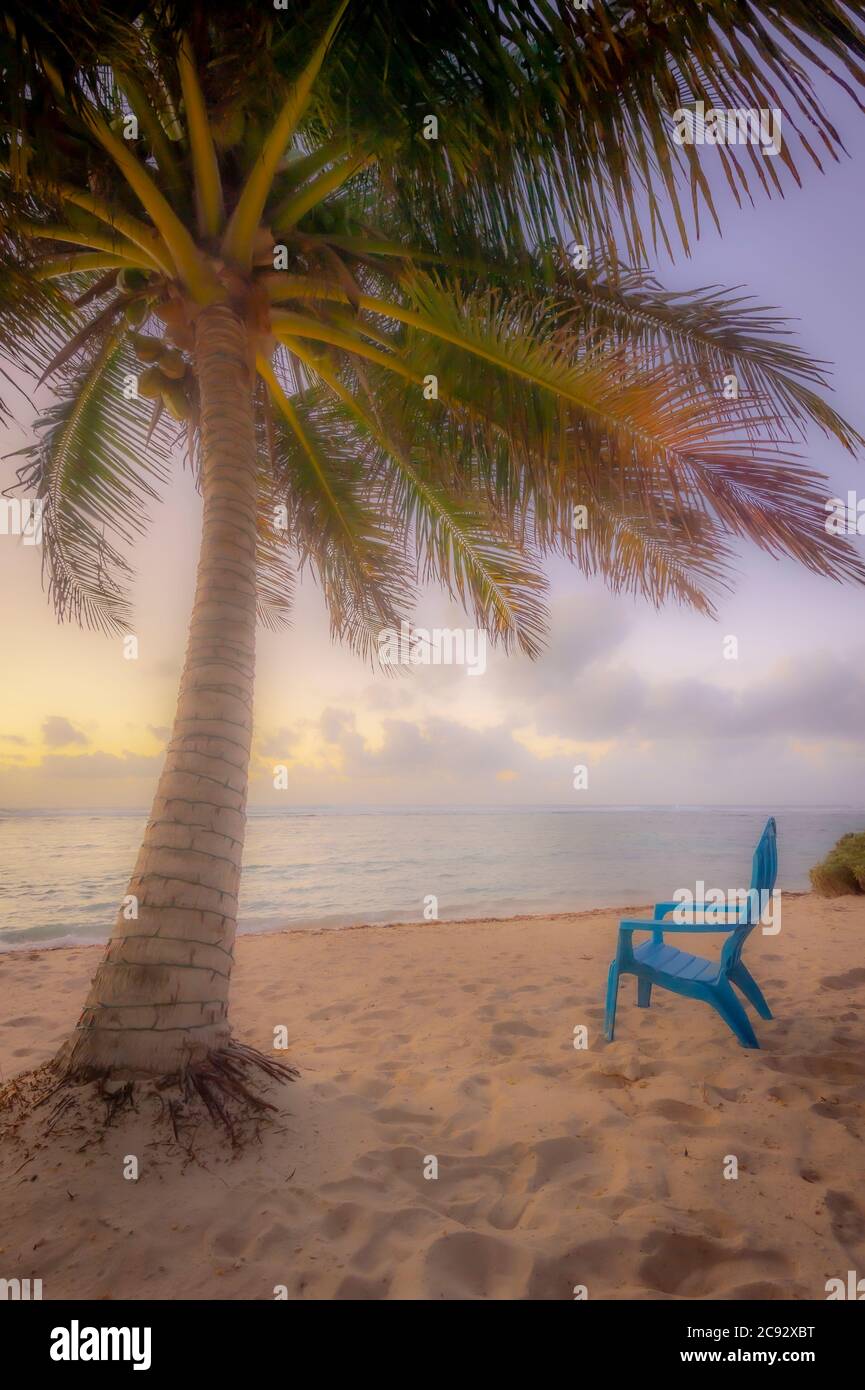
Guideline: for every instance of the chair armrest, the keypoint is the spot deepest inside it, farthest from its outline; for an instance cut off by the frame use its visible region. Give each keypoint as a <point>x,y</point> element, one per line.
<point>631,924</point>
<point>661,909</point>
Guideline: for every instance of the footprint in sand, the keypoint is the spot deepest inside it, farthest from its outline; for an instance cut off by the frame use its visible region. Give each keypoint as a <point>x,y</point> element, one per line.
<point>361,1290</point>
<point>346,1220</point>
<point>786,1094</point>
<point>606,1081</point>
<point>393,1115</point>
<point>680,1113</point>
<point>826,1068</point>
<point>404,1160</point>
<point>515,1026</point>
<point>694,1266</point>
<point>331,1011</point>
<point>844,1113</point>
<point>507,1213</point>
<point>365,1189</point>
<point>470,1265</point>
<point>373,1090</point>
<point>848,1223</point>
<point>393,1238</point>
<point>554,1156</point>
<point>476,1087</point>
<point>604,1260</point>
<point>768,1291</point>
<point>507,1029</point>
<point>851,979</point>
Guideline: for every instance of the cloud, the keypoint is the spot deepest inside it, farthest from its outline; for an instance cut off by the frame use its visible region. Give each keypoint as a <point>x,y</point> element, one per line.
<point>584,687</point>
<point>101,765</point>
<point>796,732</point>
<point>414,758</point>
<point>395,693</point>
<point>13,738</point>
<point>821,697</point>
<point>58,732</point>
<point>280,744</point>
<point>160,731</point>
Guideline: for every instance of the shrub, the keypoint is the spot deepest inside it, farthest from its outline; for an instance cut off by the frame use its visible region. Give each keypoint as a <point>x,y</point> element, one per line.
<point>843,869</point>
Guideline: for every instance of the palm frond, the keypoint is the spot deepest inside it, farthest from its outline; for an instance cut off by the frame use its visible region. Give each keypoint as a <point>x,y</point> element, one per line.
<point>36,322</point>
<point>274,570</point>
<point>238,239</point>
<point>628,407</point>
<point>319,475</point>
<point>93,476</point>
<point>715,331</point>
<point>460,540</point>
<point>208,184</point>
<point>569,409</point>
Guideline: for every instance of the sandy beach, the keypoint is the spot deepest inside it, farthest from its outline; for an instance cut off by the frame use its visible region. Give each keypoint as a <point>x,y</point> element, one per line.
<point>557,1167</point>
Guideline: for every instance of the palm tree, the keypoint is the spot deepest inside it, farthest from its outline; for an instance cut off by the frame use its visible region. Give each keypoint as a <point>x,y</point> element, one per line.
<point>333,245</point>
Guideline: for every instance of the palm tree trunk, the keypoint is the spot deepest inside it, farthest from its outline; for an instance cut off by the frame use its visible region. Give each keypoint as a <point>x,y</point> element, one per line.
<point>159,1000</point>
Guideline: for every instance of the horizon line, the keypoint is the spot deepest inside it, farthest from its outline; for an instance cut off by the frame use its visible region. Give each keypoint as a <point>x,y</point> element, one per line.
<point>475,806</point>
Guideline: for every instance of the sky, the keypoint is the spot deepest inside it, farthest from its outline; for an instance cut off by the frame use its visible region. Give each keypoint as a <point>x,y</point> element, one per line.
<point>646,701</point>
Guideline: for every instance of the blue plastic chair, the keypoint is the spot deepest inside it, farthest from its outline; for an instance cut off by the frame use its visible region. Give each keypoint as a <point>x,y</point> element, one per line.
<point>656,963</point>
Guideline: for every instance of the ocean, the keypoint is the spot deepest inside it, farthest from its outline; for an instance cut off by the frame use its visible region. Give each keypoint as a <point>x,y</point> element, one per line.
<point>63,874</point>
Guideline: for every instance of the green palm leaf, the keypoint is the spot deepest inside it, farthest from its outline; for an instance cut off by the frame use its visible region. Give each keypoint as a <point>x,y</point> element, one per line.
<point>92,472</point>
<point>332,524</point>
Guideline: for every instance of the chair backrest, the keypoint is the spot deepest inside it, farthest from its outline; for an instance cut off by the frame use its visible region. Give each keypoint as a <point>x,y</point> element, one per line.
<point>764,872</point>
<point>764,869</point>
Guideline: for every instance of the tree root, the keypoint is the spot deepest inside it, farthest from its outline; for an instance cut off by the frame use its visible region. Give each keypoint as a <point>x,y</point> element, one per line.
<point>224,1076</point>
<point>224,1088</point>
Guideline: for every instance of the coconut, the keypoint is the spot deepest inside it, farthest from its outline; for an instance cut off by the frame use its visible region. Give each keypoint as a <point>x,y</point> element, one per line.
<point>174,399</point>
<point>148,349</point>
<point>151,383</point>
<point>173,364</point>
<point>136,312</point>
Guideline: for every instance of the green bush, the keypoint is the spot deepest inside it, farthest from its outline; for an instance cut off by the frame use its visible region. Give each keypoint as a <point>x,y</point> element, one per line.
<point>843,869</point>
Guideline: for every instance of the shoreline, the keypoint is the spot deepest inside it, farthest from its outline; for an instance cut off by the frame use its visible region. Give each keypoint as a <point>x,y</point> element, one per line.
<point>620,910</point>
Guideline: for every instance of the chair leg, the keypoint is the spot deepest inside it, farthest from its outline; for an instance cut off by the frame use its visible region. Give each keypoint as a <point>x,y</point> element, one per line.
<point>724,1000</point>
<point>612,996</point>
<point>644,993</point>
<point>742,977</point>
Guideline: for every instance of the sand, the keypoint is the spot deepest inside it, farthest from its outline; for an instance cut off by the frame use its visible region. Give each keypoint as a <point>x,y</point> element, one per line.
<point>557,1167</point>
